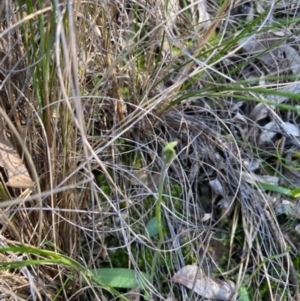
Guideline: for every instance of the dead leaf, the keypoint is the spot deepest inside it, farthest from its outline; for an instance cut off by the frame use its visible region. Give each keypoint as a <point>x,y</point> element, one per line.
<point>266,46</point>
<point>20,181</point>
<point>293,58</point>
<point>259,112</point>
<point>290,129</point>
<point>206,217</point>
<point>216,187</point>
<point>268,132</point>
<point>273,127</point>
<point>252,164</point>
<point>194,277</point>
<point>103,252</point>
<point>271,49</point>
<point>18,176</point>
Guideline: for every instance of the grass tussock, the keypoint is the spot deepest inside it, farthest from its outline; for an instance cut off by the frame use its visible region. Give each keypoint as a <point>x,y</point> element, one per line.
<point>90,95</point>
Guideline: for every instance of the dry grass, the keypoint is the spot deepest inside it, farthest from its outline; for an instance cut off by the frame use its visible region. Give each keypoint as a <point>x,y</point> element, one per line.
<point>91,92</point>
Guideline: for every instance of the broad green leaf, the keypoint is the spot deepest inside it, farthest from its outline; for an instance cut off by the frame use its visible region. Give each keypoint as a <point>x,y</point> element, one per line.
<point>152,227</point>
<point>120,277</point>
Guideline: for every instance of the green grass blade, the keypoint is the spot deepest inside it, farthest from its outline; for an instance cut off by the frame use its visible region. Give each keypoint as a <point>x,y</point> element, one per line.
<point>275,188</point>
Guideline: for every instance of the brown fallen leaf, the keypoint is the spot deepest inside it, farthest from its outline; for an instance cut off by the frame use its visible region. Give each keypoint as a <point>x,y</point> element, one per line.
<point>194,277</point>
<point>20,181</point>
<point>18,176</point>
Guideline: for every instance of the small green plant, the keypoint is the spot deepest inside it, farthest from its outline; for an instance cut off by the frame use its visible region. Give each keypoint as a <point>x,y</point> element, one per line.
<point>46,257</point>
<point>168,156</point>
<point>107,278</point>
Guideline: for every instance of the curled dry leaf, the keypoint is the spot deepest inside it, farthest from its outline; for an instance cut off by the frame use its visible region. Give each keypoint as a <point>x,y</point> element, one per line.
<point>266,46</point>
<point>206,217</point>
<point>271,49</point>
<point>293,58</point>
<point>271,128</point>
<point>217,187</point>
<point>252,164</point>
<point>290,129</point>
<point>259,112</point>
<point>268,132</point>
<point>193,277</point>
<point>18,176</point>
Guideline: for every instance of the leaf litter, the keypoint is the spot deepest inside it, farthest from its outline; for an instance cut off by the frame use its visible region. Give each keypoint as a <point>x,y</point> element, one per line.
<point>195,279</point>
